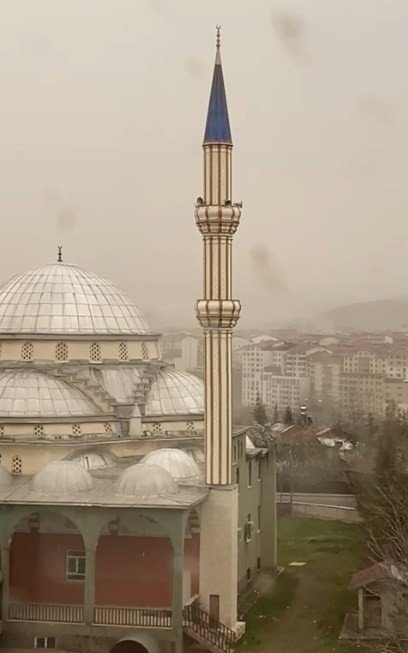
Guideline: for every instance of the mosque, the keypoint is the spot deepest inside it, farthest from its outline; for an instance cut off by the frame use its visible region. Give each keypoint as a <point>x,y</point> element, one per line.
<point>132,513</point>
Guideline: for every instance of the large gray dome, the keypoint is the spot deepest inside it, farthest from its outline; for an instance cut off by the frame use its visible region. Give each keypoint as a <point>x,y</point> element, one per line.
<point>29,393</point>
<point>175,393</point>
<point>145,481</point>
<point>62,478</point>
<point>178,463</point>
<point>64,299</point>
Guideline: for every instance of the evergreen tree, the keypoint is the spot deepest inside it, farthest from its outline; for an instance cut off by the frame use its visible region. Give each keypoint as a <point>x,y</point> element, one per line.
<point>259,412</point>
<point>288,417</point>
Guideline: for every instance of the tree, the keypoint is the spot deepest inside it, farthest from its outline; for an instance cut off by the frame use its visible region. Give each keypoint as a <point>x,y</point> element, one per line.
<point>259,412</point>
<point>382,499</point>
<point>261,429</point>
<point>288,416</point>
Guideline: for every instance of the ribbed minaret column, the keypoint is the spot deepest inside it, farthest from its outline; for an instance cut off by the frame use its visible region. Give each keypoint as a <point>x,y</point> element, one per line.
<point>217,219</point>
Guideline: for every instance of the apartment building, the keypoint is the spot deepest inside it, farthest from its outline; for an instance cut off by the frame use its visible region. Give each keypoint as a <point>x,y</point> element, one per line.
<point>324,370</point>
<point>182,350</point>
<point>281,391</point>
<point>396,392</point>
<point>361,393</point>
<point>255,358</point>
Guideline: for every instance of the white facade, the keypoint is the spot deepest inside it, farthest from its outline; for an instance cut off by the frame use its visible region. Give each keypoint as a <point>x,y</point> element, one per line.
<point>283,391</point>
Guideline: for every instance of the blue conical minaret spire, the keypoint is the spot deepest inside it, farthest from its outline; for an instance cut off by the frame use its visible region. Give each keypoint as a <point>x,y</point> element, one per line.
<point>217,128</point>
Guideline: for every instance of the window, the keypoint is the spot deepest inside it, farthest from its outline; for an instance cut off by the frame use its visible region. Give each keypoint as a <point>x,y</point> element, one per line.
<point>259,470</point>
<point>75,565</point>
<point>145,353</point>
<point>16,465</point>
<point>234,453</point>
<point>44,642</point>
<point>61,352</point>
<point>250,473</point>
<point>259,518</point>
<point>76,430</point>
<point>249,573</point>
<point>123,351</point>
<point>237,476</point>
<point>258,563</point>
<point>95,352</point>
<point>249,528</point>
<point>38,430</point>
<point>27,351</point>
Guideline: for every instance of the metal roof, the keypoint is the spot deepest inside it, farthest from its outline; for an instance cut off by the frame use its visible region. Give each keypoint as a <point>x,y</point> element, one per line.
<point>178,463</point>
<point>30,393</point>
<point>62,478</point>
<point>217,129</point>
<point>143,480</point>
<point>175,393</point>
<point>65,299</point>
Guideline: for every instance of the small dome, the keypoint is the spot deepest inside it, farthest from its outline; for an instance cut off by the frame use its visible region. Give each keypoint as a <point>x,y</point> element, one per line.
<point>145,481</point>
<point>5,477</point>
<point>93,459</point>
<point>61,298</point>
<point>28,393</point>
<point>62,477</point>
<point>178,463</point>
<point>175,393</point>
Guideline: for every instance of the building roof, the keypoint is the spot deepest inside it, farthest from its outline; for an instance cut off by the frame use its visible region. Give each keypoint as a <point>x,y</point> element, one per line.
<point>178,463</point>
<point>143,480</point>
<point>30,393</point>
<point>62,478</point>
<point>217,128</point>
<point>175,393</point>
<point>378,573</point>
<point>65,299</point>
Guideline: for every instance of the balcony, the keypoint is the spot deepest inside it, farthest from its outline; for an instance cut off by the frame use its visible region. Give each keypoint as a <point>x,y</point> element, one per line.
<point>136,617</point>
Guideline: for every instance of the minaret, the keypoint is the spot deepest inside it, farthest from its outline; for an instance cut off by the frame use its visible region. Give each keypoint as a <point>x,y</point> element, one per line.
<point>217,219</point>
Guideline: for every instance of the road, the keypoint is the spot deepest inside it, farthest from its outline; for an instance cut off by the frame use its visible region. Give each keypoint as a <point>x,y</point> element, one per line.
<point>324,499</point>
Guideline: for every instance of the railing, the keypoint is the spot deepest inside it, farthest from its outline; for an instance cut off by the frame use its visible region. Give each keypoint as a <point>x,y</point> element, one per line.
<point>208,628</point>
<point>46,612</point>
<point>132,617</point>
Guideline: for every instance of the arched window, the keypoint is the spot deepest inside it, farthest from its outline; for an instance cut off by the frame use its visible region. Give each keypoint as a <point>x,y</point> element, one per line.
<point>61,352</point>
<point>123,351</point>
<point>95,355</point>
<point>27,351</point>
<point>16,465</point>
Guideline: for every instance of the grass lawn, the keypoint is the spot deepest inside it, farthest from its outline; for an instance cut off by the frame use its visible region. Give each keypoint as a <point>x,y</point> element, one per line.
<point>304,609</point>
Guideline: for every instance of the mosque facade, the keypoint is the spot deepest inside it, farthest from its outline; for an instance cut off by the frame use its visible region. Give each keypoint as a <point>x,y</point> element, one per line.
<point>132,513</point>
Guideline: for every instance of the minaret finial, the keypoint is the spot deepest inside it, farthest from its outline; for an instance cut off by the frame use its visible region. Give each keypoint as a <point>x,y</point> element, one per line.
<point>218,36</point>
<point>59,259</point>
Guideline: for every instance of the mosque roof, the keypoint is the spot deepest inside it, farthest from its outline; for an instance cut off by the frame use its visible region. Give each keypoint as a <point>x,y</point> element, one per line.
<point>217,128</point>
<point>178,463</point>
<point>175,393</point>
<point>62,478</point>
<point>30,393</point>
<point>146,481</point>
<point>65,299</point>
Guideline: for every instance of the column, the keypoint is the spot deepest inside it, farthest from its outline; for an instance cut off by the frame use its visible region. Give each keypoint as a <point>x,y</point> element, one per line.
<point>89,590</point>
<point>177,541</point>
<point>5,588</point>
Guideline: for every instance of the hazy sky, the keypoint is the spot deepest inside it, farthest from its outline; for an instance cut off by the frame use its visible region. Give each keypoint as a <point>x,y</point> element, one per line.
<point>102,114</point>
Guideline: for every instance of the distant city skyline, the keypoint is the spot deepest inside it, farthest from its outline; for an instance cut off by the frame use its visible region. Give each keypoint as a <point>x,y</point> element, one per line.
<point>100,147</point>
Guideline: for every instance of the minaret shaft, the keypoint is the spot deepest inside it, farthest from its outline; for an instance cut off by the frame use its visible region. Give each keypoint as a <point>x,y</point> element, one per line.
<point>217,219</point>
<point>217,173</point>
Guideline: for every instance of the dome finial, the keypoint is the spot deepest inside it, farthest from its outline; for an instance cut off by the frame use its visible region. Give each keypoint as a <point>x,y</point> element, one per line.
<point>218,36</point>
<point>59,259</point>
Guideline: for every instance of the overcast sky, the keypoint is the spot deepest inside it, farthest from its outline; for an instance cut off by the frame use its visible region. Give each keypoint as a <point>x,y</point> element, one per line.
<point>102,114</point>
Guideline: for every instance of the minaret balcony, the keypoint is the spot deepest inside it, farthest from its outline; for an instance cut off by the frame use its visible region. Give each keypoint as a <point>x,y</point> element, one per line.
<point>218,313</point>
<point>218,220</point>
